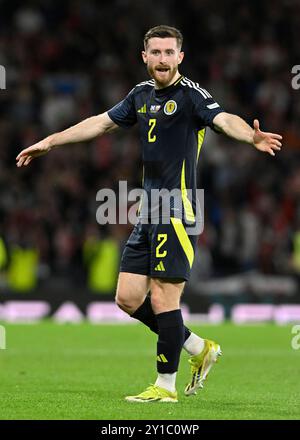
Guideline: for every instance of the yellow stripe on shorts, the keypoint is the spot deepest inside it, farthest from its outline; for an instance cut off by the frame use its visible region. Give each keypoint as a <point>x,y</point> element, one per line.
<point>183,239</point>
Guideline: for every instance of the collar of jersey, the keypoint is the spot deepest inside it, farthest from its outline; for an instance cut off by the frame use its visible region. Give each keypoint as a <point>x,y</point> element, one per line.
<point>165,90</point>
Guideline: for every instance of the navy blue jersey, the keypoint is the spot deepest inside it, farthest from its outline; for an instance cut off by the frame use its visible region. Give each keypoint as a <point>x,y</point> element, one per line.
<point>172,125</point>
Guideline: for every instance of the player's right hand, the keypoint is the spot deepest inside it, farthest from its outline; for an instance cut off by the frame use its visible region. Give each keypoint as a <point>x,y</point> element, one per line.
<point>25,156</point>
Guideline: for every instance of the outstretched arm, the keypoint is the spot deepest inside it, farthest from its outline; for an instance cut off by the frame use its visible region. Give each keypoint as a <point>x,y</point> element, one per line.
<point>84,131</point>
<point>237,128</point>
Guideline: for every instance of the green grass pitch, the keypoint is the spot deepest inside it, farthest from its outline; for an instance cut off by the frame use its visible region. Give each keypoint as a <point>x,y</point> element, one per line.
<point>52,371</point>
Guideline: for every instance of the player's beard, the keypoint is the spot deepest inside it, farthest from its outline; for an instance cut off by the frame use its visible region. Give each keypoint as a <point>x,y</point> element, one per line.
<point>163,79</point>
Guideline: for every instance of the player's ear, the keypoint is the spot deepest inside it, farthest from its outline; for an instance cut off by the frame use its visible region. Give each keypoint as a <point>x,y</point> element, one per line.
<point>144,56</point>
<point>180,57</point>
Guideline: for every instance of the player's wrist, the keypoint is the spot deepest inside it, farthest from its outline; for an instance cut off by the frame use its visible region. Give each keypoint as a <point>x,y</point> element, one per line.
<point>252,140</point>
<point>51,141</point>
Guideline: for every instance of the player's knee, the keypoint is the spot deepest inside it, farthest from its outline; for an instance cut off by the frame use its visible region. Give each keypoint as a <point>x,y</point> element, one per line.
<point>124,301</point>
<point>164,298</point>
<point>157,301</point>
<point>121,299</point>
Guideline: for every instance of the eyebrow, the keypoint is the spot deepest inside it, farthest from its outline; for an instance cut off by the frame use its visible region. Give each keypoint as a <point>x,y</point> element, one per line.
<point>162,50</point>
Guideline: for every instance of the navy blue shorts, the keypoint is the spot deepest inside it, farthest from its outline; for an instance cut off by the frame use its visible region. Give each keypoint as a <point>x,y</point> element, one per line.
<point>160,251</point>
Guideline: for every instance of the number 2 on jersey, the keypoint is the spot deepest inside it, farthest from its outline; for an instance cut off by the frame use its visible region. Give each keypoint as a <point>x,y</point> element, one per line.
<point>151,136</point>
<point>162,238</point>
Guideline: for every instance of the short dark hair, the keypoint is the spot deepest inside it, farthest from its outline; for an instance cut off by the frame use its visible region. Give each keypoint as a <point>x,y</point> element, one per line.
<point>163,31</point>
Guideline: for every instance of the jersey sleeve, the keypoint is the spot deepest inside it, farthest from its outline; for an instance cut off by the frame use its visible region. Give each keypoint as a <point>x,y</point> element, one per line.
<point>123,113</point>
<point>205,108</point>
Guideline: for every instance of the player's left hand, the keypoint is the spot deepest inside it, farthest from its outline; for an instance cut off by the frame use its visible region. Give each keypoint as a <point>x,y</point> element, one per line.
<point>267,142</point>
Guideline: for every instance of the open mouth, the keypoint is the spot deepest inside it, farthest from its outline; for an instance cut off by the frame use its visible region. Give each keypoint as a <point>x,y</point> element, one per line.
<point>162,69</point>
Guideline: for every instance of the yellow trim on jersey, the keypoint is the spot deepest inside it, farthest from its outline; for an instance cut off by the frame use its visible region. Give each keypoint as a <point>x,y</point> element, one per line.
<point>190,216</point>
<point>183,239</point>
<point>201,134</point>
<point>179,79</point>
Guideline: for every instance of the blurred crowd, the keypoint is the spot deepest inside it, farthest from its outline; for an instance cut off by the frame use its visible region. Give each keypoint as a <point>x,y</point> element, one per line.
<point>66,61</point>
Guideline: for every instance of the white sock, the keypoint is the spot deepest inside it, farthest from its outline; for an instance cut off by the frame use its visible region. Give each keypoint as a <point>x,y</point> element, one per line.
<point>194,344</point>
<point>166,381</point>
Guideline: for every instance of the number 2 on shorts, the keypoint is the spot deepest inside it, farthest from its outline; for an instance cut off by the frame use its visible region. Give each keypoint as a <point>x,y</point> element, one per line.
<point>162,238</point>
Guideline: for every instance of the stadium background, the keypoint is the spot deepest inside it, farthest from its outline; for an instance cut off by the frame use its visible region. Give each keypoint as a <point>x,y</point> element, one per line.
<point>66,61</point>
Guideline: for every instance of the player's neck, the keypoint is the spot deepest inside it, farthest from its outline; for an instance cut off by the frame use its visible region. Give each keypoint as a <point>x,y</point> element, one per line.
<point>159,86</point>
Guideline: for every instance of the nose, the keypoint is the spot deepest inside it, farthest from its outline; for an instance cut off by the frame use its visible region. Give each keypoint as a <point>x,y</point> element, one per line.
<point>163,58</point>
